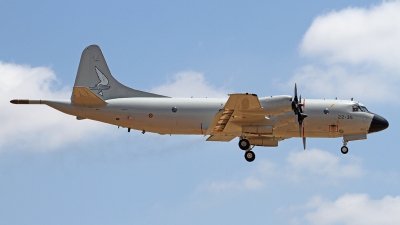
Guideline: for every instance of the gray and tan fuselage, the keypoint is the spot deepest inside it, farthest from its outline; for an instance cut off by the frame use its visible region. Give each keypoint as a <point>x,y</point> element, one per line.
<point>194,115</point>
<point>265,121</point>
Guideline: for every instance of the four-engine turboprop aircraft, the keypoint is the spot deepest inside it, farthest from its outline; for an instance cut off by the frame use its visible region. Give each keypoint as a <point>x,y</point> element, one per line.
<point>265,121</point>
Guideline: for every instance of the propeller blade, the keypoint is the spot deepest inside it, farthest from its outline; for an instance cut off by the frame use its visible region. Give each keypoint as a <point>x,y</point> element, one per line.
<point>297,106</point>
<point>300,129</point>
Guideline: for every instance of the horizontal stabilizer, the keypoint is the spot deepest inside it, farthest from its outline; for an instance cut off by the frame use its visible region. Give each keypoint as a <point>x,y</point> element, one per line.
<point>83,96</point>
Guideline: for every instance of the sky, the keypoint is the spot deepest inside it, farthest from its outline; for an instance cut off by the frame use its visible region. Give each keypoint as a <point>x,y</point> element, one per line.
<point>55,169</point>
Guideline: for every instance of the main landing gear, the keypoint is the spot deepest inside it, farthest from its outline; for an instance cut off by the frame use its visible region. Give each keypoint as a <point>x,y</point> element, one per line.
<point>249,156</point>
<point>244,144</point>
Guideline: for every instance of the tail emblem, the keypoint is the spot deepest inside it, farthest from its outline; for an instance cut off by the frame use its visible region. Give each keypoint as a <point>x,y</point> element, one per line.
<point>103,84</point>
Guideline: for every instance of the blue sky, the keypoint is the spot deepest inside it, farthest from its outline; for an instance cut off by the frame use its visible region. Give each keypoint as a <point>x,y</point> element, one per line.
<point>57,170</point>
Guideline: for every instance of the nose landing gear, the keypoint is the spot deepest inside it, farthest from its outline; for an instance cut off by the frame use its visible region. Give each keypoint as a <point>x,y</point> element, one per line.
<point>344,149</point>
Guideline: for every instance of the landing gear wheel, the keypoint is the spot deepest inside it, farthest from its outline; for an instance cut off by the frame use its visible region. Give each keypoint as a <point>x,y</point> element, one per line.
<point>249,156</point>
<point>344,150</point>
<point>244,144</point>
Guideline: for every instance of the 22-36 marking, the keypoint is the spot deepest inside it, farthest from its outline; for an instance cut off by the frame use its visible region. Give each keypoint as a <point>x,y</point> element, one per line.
<point>345,117</point>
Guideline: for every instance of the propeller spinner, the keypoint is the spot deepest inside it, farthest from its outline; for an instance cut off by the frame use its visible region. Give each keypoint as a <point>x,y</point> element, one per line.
<point>297,107</point>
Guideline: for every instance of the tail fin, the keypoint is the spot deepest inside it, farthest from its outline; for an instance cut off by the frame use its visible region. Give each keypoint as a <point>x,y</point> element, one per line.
<point>94,74</point>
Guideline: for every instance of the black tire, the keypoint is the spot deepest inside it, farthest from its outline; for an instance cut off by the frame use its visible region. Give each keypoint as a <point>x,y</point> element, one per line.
<point>344,149</point>
<point>244,144</point>
<point>249,156</point>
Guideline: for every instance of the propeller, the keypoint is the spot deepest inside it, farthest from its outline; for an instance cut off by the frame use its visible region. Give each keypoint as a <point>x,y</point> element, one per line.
<point>297,107</point>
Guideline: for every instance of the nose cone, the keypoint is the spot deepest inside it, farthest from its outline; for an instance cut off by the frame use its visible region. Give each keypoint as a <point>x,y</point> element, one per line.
<point>378,123</point>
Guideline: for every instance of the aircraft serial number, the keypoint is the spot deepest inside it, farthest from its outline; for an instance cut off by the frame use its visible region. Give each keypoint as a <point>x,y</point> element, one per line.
<point>345,117</point>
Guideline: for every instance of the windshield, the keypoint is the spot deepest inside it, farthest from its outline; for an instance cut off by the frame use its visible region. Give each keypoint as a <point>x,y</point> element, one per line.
<point>358,108</point>
<point>364,109</point>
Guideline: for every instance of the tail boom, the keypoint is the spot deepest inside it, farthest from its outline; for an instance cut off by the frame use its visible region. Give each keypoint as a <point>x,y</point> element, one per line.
<point>26,101</point>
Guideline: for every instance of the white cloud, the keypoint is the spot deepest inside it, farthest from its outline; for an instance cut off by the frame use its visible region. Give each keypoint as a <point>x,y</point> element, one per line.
<point>321,166</point>
<point>344,83</point>
<point>190,84</point>
<point>360,53</point>
<point>36,126</point>
<point>357,35</point>
<point>354,209</point>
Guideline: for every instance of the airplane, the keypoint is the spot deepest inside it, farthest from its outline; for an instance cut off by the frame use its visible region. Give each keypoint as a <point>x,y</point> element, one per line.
<point>263,121</point>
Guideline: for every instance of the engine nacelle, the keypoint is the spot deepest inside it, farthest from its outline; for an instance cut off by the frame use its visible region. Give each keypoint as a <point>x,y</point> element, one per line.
<point>276,105</point>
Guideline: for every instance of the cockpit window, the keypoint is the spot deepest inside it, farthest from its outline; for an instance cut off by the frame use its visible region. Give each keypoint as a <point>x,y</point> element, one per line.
<point>364,109</point>
<point>358,108</point>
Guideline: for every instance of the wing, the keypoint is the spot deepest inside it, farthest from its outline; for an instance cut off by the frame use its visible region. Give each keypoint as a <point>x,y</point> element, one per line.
<point>239,110</point>
<point>225,138</point>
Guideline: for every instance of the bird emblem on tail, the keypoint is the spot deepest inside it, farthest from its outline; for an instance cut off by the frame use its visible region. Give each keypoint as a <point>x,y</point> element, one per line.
<point>103,84</point>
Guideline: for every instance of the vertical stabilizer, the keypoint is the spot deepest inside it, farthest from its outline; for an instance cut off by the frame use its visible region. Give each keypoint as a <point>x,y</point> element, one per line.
<point>94,74</point>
